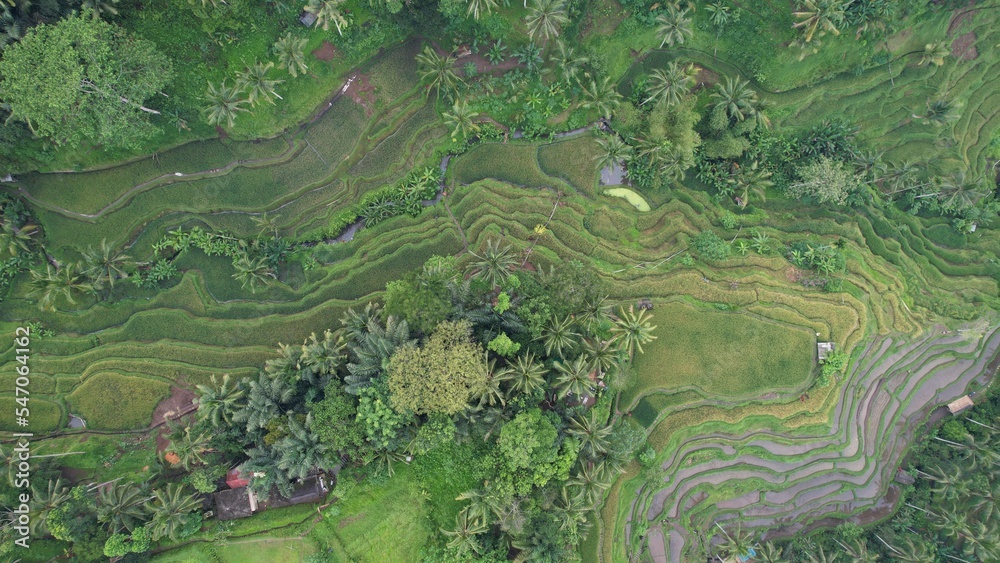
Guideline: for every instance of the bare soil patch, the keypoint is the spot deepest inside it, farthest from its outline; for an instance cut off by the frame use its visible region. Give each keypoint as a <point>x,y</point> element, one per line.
<point>960,16</point>
<point>362,92</point>
<point>706,78</point>
<point>178,403</point>
<point>325,52</point>
<point>963,47</point>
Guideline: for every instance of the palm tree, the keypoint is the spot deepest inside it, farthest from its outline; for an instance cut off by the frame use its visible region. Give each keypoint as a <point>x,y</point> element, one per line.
<point>480,504</point>
<point>568,62</point>
<point>257,85</point>
<point>437,72</point>
<point>495,262</point>
<point>940,112</point>
<point>544,18</point>
<point>319,359</point>
<point>735,97</point>
<point>900,177</point>
<point>43,501</point>
<point>674,26</point>
<point>914,552</point>
<point>633,329</point>
<point>224,103</point>
<point>953,522</point>
<point>821,15</point>
<point>188,447</point>
<point>870,165</point>
<point>481,6</point>
<point>751,180</point>
<point>170,508</point>
<point>527,375</point>
<point>570,509</point>
<point>371,350</point>
<point>591,481</point>
<point>266,223</point>
<point>670,85</point>
<point>100,8</point>
<point>49,285</point>
<point>859,552</point>
<point>14,239</point>
<point>957,193</point>
<point>460,120</point>
<point>252,272</point>
<point>463,536</point>
<point>822,557</point>
<point>301,450</point>
<point>770,553</point>
<point>935,53</point>
<point>104,265</point>
<point>806,48</point>
<point>327,12</point>
<point>573,377</point>
<point>601,96</point>
<point>736,544</point>
<point>559,336</point>
<point>219,403</point>
<point>613,151</point>
<point>491,394</point>
<point>265,401</point>
<point>290,51</point>
<point>120,506</point>
<point>600,353</point>
<point>595,312</point>
<point>719,16</point>
<point>593,435</point>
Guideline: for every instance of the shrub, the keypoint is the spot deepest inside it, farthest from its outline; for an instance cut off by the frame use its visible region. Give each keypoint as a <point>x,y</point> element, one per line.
<point>710,246</point>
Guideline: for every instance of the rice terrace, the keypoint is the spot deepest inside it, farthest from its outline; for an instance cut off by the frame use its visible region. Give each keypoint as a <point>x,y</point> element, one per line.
<point>435,281</point>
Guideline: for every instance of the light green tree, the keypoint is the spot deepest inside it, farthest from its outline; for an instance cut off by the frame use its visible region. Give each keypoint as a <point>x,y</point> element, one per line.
<point>544,19</point>
<point>257,85</point>
<point>674,26</point>
<point>224,104</point>
<point>328,12</point>
<point>290,51</point>
<point>442,375</point>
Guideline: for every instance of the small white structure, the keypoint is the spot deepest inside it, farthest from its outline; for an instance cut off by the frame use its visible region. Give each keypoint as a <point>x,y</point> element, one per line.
<point>823,349</point>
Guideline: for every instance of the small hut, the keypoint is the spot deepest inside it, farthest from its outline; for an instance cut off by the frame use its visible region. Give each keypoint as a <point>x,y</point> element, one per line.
<point>231,504</point>
<point>904,477</point>
<point>960,404</point>
<point>823,349</point>
<point>307,19</point>
<point>645,304</point>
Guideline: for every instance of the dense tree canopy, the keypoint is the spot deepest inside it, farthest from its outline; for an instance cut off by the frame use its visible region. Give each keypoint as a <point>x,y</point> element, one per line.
<point>441,375</point>
<point>81,80</point>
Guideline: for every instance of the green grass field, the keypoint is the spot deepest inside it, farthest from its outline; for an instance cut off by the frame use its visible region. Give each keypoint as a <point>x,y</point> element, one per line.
<point>722,354</point>
<point>113,401</point>
<point>378,522</point>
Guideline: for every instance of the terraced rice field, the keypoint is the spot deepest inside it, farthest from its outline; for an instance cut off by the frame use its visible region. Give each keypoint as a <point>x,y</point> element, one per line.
<point>205,323</point>
<point>827,453</point>
<point>802,477</point>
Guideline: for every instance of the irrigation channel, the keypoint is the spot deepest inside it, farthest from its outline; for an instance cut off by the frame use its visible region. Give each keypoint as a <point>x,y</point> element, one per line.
<point>893,387</point>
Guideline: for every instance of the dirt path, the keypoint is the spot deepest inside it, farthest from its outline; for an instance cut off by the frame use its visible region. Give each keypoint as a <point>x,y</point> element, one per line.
<point>884,400</point>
